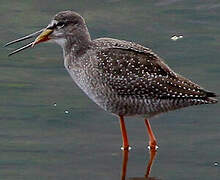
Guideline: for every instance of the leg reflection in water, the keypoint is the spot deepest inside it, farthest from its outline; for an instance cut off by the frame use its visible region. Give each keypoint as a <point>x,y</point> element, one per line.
<point>152,153</point>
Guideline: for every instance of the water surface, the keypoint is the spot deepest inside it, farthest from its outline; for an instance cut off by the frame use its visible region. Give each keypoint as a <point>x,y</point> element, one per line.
<point>38,140</point>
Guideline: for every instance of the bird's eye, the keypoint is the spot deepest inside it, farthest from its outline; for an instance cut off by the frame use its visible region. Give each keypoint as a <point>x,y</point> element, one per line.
<point>60,24</point>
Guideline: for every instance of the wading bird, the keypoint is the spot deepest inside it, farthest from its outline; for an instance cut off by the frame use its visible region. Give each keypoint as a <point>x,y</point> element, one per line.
<point>123,78</point>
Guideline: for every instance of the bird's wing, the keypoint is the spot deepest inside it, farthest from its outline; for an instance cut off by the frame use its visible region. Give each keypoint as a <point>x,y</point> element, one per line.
<point>136,70</point>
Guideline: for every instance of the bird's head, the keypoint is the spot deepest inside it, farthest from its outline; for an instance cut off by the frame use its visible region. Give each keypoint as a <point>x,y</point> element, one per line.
<point>65,27</point>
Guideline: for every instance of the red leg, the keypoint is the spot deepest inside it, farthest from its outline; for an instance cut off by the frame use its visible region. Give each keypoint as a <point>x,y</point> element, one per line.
<point>152,139</point>
<point>153,153</point>
<point>124,133</point>
<point>124,165</point>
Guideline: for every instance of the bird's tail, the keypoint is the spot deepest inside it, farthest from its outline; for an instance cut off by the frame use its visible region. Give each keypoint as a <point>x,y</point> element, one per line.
<point>210,97</point>
<point>211,94</point>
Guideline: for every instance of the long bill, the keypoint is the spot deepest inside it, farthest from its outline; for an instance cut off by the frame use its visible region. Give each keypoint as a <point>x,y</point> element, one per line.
<point>42,35</point>
<point>24,38</point>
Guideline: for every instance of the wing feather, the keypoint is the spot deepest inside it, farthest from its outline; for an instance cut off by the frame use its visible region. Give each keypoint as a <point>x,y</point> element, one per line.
<point>136,71</point>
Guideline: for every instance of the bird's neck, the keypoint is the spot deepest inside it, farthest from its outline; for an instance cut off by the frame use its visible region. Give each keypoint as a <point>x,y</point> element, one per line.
<point>77,44</point>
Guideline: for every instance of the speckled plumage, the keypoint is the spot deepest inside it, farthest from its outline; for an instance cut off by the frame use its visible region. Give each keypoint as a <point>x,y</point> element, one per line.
<point>127,79</point>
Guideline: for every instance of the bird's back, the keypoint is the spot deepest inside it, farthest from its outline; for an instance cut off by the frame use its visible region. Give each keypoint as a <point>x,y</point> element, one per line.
<point>129,79</point>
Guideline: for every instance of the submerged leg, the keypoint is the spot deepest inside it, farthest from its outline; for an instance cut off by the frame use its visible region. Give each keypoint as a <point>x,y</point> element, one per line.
<point>152,139</point>
<point>153,153</point>
<point>124,134</point>
<point>124,165</point>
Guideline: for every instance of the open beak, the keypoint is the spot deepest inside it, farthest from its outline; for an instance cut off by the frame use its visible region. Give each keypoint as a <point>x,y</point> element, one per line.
<point>42,35</point>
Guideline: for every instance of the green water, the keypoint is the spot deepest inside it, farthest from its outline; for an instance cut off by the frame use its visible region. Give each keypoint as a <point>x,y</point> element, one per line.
<point>38,140</point>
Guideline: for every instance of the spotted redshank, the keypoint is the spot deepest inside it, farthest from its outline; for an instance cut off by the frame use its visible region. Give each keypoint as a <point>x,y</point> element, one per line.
<point>123,78</point>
